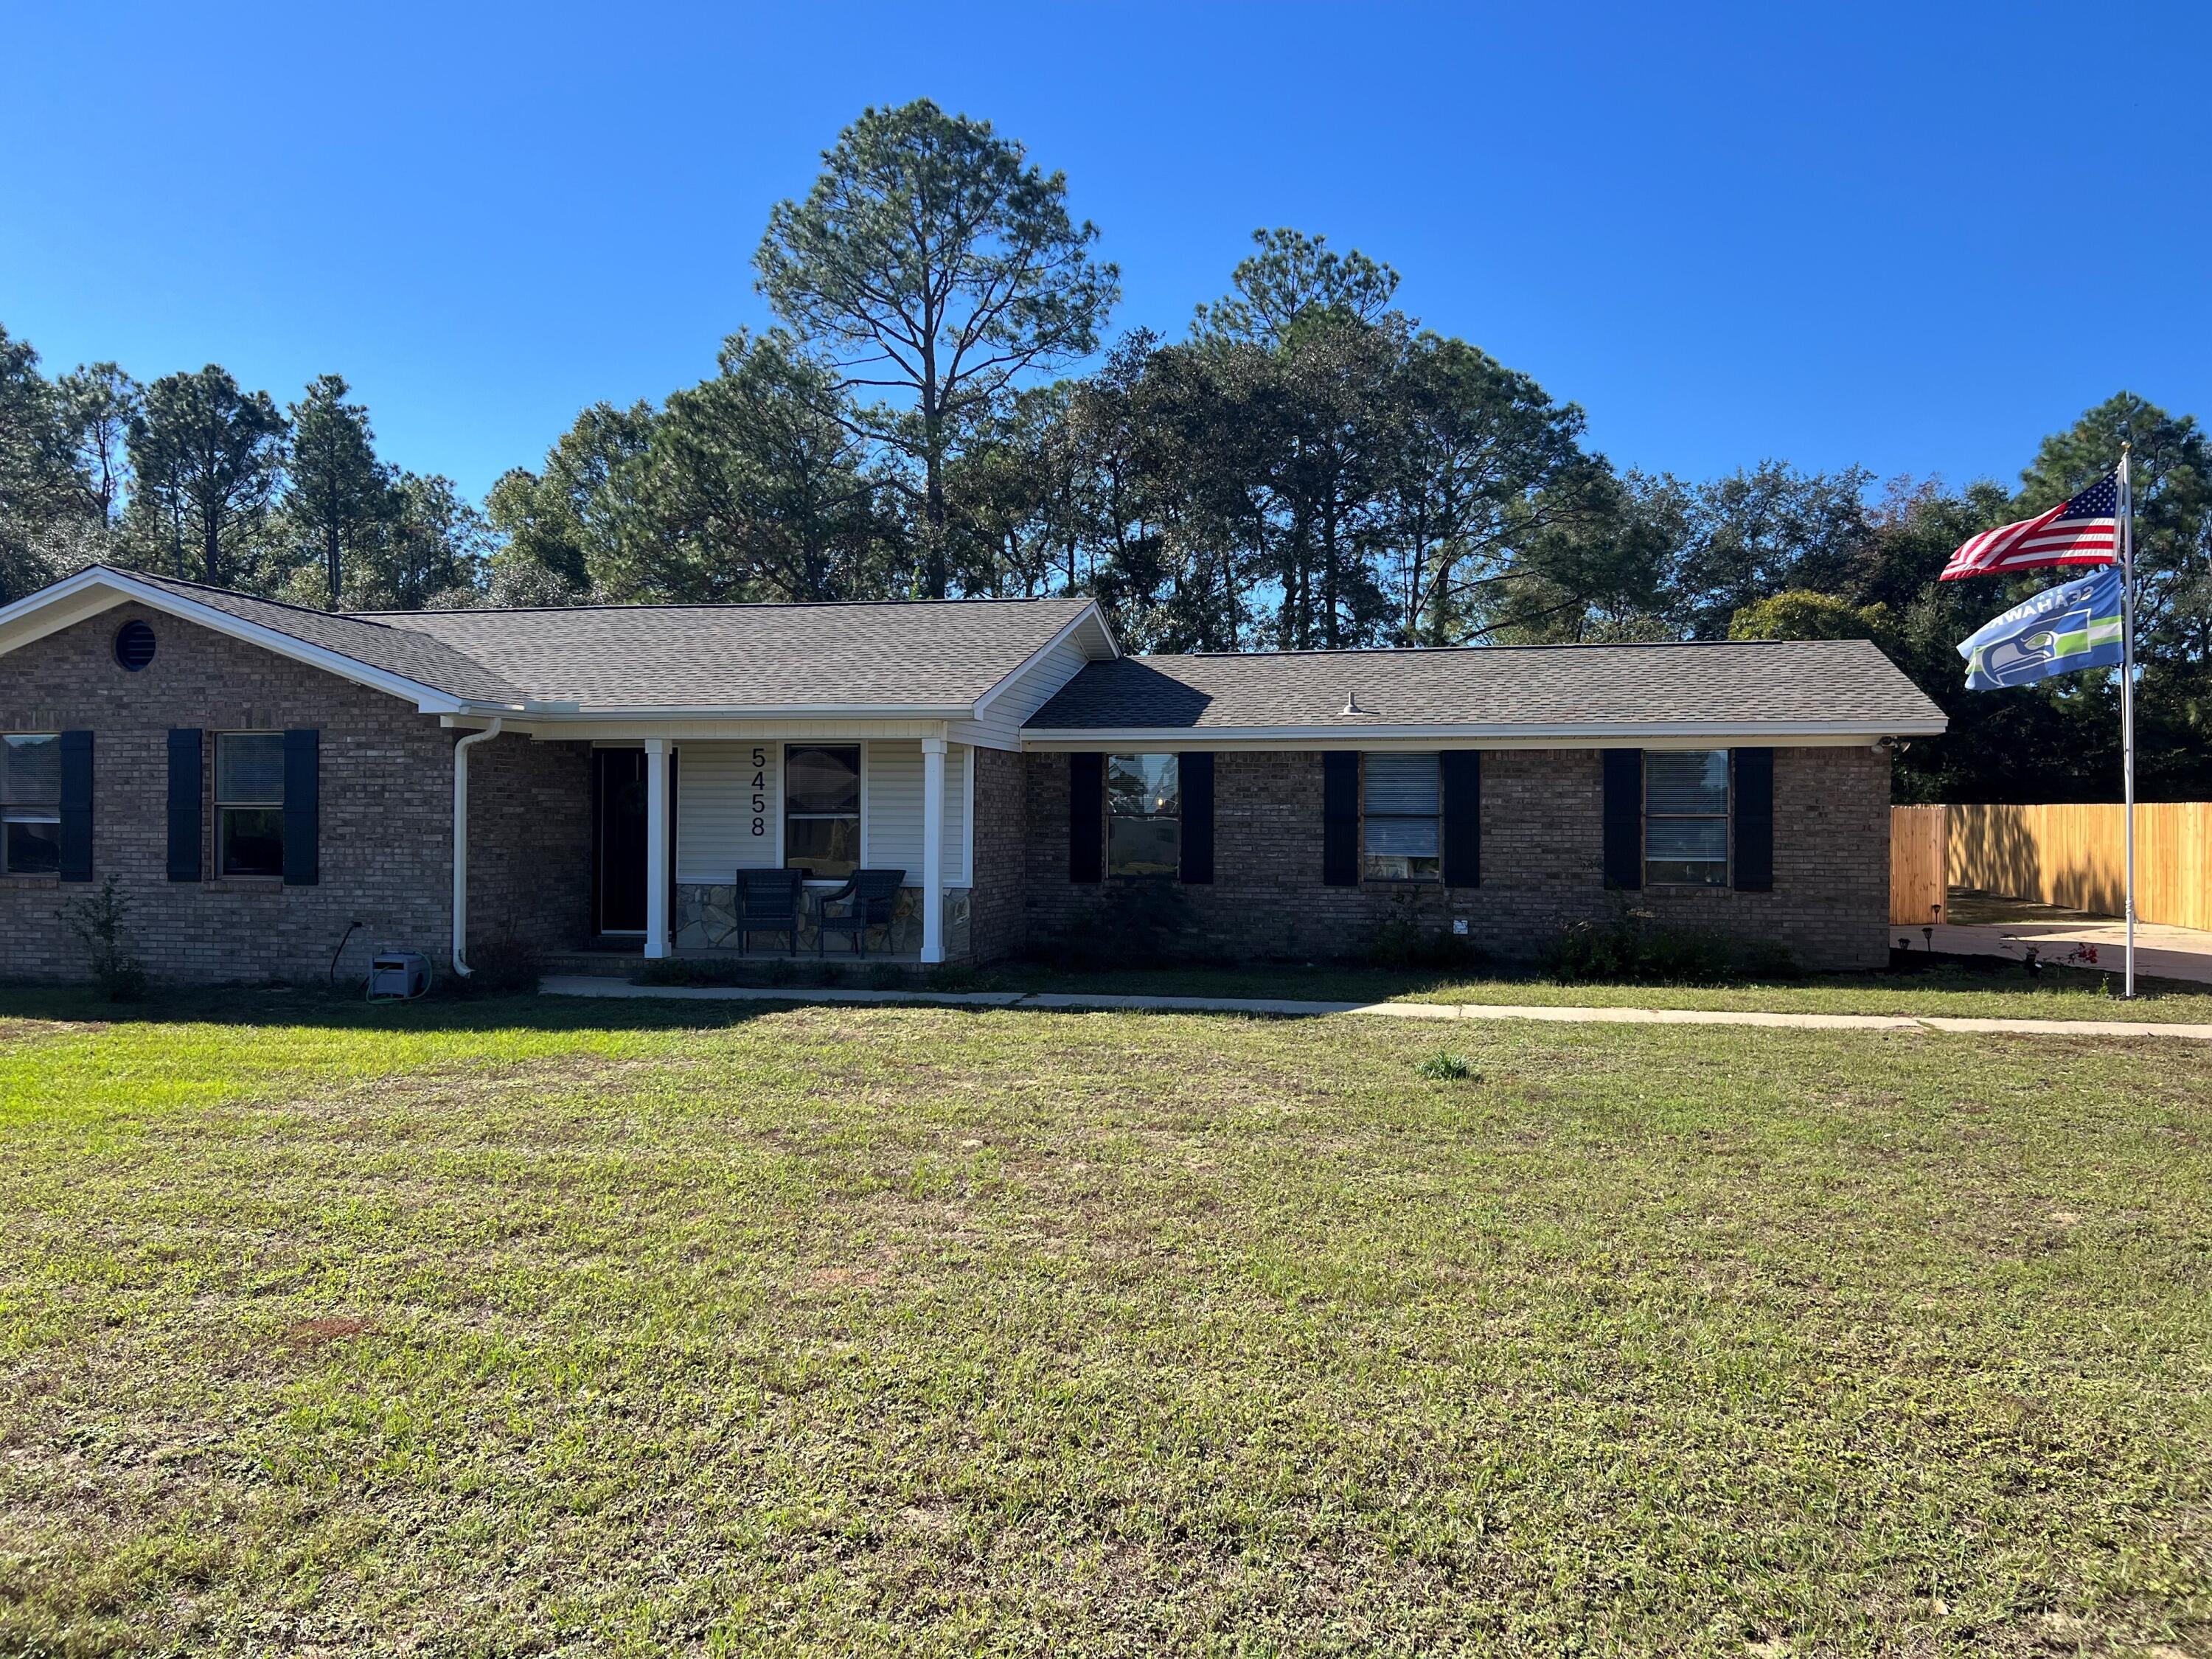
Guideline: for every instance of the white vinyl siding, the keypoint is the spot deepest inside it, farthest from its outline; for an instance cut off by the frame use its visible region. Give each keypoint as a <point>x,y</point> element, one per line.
<point>959,782</point>
<point>1000,723</point>
<point>893,782</point>
<point>714,815</point>
<point>894,785</point>
<point>715,819</point>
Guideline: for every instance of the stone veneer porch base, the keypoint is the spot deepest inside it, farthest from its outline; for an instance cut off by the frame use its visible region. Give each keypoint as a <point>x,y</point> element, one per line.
<point>706,918</point>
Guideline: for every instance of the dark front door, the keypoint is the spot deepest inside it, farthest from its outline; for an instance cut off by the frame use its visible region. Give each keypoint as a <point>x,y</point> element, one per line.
<point>618,840</point>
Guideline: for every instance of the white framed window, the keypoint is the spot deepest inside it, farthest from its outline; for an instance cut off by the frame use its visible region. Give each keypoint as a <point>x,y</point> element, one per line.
<point>1686,818</point>
<point>1144,815</point>
<point>249,803</point>
<point>31,803</point>
<point>1401,817</point>
<point>822,809</point>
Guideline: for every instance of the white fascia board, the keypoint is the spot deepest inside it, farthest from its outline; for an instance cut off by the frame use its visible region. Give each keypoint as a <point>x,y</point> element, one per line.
<point>553,712</point>
<point>49,609</point>
<point>1089,614</point>
<point>1677,734</point>
<point>590,728</point>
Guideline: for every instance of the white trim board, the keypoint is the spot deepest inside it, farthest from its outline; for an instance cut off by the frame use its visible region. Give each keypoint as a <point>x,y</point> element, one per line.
<point>42,613</point>
<point>1672,735</point>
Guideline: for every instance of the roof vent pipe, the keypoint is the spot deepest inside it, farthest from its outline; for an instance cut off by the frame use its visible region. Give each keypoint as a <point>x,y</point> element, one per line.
<point>1351,704</point>
<point>461,968</point>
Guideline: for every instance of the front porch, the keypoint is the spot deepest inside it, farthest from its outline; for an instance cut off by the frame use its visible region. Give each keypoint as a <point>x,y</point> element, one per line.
<point>676,820</point>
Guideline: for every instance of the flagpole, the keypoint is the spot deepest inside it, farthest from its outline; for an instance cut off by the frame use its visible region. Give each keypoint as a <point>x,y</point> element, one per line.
<point>2128,691</point>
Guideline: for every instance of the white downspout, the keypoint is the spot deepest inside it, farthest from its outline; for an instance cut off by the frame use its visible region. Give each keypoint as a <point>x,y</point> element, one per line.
<point>461,846</point>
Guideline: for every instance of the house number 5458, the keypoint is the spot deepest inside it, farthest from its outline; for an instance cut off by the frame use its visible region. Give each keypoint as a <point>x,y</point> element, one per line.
<point>760,791</point>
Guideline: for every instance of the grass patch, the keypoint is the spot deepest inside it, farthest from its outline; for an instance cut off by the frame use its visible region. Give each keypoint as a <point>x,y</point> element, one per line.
<point>1445,1066</point>
<point>539,1326</point>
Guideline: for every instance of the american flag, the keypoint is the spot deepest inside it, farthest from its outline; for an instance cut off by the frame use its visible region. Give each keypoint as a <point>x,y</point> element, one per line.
<point>2082,531</point>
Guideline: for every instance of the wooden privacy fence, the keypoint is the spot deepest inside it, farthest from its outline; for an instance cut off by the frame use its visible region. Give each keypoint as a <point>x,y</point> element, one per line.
<point>1917,879</point>
<point>2075,856</point>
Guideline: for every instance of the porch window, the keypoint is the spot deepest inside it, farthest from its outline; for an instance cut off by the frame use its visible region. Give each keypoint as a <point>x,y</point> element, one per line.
<point>31,803</point>
<point>1686,818</point>
<point>1401,817</point>
<point>1144,815</point>
<point>249,803</point>
<point>822,809</point>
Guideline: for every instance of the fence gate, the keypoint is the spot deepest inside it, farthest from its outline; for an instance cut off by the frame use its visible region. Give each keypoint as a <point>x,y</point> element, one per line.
<point>1918,865</point>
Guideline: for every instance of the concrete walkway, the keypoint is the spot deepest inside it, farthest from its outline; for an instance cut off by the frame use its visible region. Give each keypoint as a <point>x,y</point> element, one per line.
<point>2097,942</point>
<point>578,985</point>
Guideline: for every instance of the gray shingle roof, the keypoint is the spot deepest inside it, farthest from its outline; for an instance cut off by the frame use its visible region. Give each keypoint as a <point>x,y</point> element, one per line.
<point>416,656</point>
<point>921,656</point>
<point>1748,683</point>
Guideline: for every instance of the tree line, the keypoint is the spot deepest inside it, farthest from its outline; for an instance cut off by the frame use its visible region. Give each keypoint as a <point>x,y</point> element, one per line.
<point>195,477</point>
<point>1307,467</point>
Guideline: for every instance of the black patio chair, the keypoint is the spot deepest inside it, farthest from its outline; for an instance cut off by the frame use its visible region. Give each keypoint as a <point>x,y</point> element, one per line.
<point>870,897</point>
<point>767,902</point>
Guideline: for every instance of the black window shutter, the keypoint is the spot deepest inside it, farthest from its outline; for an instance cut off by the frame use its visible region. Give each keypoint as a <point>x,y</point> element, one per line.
<point>1754,820</point>
<point>1340,817</point>
<point>1194,768</point>
<point>303,810</point>
<point>76,807</point>
<point>1086,818</point>
<point>1462,781</point>
<point>185,817</point>
<point>1624,818</point>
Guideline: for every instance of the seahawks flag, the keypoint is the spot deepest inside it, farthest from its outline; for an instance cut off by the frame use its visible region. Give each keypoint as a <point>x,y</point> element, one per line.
<point>2060,630</point>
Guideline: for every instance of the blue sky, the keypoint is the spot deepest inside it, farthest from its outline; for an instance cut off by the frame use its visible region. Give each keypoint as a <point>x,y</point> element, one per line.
<point>1914,238</point>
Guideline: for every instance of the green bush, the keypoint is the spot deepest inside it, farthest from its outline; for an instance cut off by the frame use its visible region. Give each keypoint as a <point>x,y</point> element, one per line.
<point>885,976</point>
<point>97,919</point>
<point>1141,923</point>
<point>1406,941</point>
<point>1445,1066</point>
<point>503,967</point>
<point>1629,948</point>
<point>691,970</point>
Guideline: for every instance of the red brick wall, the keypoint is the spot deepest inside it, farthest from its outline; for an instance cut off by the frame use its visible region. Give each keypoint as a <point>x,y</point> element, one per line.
<point>999,918</point>
<point>387,806</point>
<point>1541,862</point>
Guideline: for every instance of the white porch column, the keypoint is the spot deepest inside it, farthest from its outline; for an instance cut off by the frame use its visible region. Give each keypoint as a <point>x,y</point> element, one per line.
<point>656,847</point>
<point>933,849</point>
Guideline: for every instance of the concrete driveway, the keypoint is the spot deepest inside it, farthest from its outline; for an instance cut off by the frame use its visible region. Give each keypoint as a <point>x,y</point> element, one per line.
<point>1989,926</point>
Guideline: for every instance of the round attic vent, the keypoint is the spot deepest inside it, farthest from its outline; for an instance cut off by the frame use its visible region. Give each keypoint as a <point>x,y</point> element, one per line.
<point>134,645</point>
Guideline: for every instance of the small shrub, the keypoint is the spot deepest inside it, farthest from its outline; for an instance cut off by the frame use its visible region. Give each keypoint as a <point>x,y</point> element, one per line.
<point>1630,948</point>
<point>778,970</point>
<point>1404,942</point>
<point>826,973</point>
<point>97,919</point>
<point>690,970</point>
<point>886,977</point>
<point>504,967</point>
<point>953,977</point>
<point>1135,924</point>
<point>1445,1066</point>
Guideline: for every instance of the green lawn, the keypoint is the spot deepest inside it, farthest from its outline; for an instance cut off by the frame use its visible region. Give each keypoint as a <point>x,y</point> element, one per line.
<point>547,1327</point>
<point>2001,990</point>
<point>1974,988</point>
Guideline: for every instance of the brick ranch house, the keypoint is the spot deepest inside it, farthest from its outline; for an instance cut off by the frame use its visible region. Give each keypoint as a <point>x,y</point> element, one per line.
<point>281,791</point>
